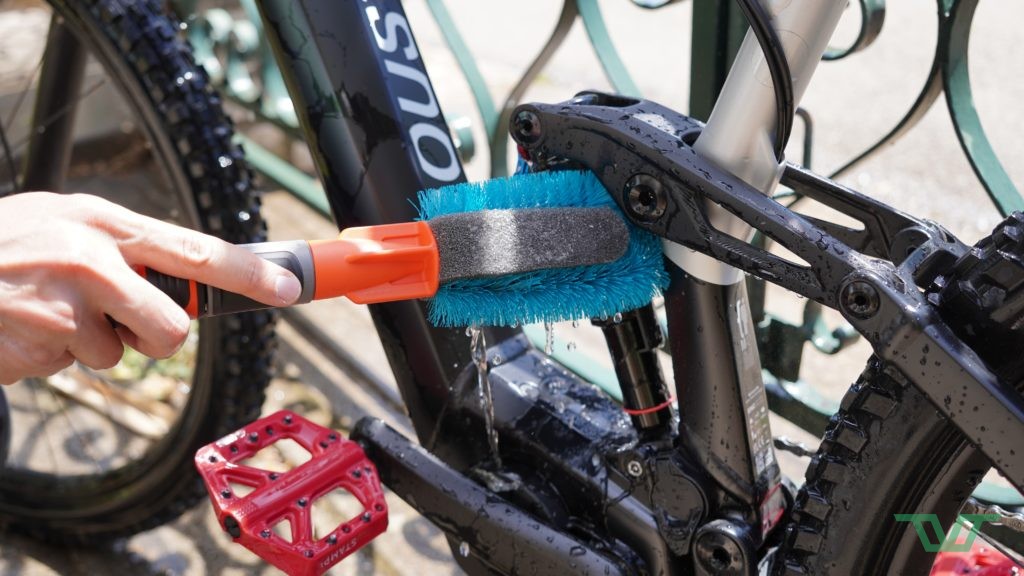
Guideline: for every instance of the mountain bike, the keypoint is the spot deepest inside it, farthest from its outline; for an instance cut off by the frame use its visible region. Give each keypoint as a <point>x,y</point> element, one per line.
<point>579,485</point>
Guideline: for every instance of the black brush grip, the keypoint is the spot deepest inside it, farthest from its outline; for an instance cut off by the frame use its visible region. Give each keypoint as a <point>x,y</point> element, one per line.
<point>176,288</point>
<point>224,302</point>
<point>210,301</point>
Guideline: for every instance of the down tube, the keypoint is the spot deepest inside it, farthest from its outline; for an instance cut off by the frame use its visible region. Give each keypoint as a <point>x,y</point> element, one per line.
<point>375,129</point>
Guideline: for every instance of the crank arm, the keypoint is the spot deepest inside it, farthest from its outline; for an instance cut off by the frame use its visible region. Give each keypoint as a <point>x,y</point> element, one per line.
<point>640,152</point>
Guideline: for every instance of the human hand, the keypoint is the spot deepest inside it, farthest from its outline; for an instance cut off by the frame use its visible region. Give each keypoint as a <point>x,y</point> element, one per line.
<point>66,266</point>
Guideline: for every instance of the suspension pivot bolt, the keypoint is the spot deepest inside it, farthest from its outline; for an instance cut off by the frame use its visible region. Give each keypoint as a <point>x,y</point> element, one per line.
<point>634,468</point>
<point>526,128</point>
<point>860,299</point>
<point>645,197</point>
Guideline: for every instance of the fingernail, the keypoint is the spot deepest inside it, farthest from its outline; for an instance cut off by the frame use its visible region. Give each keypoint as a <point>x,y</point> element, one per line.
<point>288,289</point>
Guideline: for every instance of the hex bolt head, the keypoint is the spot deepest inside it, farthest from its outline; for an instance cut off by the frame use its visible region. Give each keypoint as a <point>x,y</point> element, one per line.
<point>645,197</point>
<point>526,128</point>
<point>634,468</point>
<point>860,299</point>
<point>719,554</point>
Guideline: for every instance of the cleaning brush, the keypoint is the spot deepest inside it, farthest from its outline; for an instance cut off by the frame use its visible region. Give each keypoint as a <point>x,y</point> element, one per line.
<point>548,246</point>
<point>584,290</point>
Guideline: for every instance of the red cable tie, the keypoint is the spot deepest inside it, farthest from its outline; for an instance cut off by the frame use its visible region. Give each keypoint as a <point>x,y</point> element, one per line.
<point>651,410</point>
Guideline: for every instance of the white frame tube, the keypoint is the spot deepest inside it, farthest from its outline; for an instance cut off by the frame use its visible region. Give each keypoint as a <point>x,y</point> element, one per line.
<point>739,135</point>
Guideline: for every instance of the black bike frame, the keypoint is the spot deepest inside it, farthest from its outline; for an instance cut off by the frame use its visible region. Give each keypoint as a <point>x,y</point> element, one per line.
<point>377,136</point>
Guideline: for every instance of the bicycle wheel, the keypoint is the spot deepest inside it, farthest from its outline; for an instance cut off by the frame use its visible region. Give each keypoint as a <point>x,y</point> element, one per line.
<point>888,451</point>
<point>99,454</point>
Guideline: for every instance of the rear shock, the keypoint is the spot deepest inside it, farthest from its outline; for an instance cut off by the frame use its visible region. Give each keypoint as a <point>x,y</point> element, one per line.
<point>634,339</point>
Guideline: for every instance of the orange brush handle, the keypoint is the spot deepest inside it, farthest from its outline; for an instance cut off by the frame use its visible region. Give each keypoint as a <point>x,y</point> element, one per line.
<point>381,263</point>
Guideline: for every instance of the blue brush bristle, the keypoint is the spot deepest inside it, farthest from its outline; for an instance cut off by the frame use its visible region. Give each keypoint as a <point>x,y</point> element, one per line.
<point>546,295</point>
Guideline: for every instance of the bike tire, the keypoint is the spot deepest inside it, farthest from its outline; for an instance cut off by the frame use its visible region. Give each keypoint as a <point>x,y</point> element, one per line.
<point>888,451</point>
<point>139,44</point>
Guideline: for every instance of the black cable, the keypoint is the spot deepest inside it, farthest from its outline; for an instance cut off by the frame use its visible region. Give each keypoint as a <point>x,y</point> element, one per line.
<point>778,66</point>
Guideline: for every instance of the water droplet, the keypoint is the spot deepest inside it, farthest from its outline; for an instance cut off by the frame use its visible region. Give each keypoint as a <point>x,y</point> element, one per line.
<point>225,161</point>
<point>244,216</point>
<point>575,323</point>
<point>478,351</point>
<point>559,405</point>
<point>617,319</point>
<point>527,389</point>
<point>496,360</point>
<point>571,345</point>
<point>549,338</point>
<point>464,549</point>
<point>556,385</point>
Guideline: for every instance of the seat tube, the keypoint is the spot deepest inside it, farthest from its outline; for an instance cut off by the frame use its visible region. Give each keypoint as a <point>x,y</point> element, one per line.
<point>723,406</point>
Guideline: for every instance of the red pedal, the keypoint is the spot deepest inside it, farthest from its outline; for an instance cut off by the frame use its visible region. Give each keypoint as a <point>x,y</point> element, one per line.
<point>336,463</point>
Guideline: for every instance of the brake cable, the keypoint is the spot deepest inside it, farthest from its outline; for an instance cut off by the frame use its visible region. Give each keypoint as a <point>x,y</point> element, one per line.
<point>778,66</point>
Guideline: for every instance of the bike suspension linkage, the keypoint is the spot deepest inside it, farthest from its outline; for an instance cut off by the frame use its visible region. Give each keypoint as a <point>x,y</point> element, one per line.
<point>872,278</point>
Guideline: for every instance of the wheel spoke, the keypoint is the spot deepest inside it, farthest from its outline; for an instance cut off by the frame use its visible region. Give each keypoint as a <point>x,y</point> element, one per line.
<point>58,114</point>
<point>136,414</point>
<point>82,443</point>
<point>44,421</point>
<point>25,89</point>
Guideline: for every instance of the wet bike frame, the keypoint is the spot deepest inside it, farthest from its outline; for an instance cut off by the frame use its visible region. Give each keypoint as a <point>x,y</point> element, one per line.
<point>582,485</point>
<point>377,136</point>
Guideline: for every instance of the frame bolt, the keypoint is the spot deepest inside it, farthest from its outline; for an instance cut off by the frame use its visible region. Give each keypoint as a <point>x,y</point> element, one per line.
<point>860,299</point>
<point>719,554</point>
<point>526,127</point>
<point>634,468</point>
<point>645,197</point>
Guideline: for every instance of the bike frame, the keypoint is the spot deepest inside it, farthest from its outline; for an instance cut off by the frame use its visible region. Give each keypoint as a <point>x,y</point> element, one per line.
<point>632,489</point>
<point>377,136</point>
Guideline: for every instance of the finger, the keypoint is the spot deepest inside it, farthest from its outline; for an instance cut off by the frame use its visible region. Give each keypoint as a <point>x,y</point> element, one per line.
<point>157,325</point>
<point>189,254</point>
<point>63,361</point>
<point>21,358</point>
<point>128,338</point>
<point>96,344</point>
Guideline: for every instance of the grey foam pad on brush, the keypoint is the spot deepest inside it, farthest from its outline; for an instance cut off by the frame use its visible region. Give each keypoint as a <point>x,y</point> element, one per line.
<point>502,242</point>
